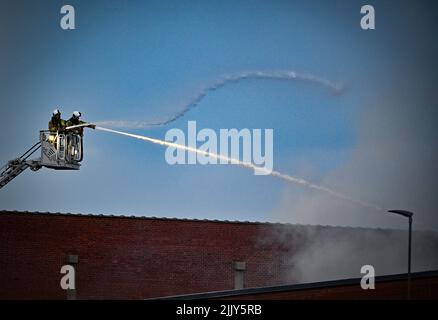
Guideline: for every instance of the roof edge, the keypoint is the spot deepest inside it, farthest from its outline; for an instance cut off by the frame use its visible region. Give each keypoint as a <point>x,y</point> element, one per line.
<point>295,287</point>
<point>189,220</point>
<point>88,215</point>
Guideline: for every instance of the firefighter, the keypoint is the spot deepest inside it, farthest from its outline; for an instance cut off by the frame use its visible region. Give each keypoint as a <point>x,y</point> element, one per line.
<point>56,124</point>
<point>76,139</point>
<point>74,121</point>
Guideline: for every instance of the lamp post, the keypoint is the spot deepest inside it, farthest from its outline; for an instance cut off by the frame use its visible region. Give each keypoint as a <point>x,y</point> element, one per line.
<point>408,215</point>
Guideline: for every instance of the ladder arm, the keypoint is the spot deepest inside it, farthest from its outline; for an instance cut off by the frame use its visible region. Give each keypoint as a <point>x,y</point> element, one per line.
<point>14,167</point>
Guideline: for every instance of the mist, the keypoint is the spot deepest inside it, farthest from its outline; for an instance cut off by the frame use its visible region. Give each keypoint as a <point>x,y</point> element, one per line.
<point>318,253</point>
<point>394,164</point>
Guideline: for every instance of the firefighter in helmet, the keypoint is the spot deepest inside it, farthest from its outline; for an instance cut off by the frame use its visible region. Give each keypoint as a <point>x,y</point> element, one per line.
<point>56,124</point>
<point>78,132</point>
<point>75,120</point>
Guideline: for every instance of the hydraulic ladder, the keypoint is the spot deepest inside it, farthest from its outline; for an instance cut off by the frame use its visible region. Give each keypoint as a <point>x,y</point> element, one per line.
<point>14,167</point>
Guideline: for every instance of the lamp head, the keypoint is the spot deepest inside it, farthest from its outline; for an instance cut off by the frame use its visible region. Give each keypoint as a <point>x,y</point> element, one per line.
<point>404,213</point>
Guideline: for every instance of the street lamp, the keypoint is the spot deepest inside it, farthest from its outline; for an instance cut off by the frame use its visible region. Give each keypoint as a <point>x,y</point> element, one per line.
<point>408,215</point>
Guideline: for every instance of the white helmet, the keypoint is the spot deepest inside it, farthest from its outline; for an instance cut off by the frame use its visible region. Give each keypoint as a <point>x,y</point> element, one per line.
<point>56,111</point>
<point>76,114</point>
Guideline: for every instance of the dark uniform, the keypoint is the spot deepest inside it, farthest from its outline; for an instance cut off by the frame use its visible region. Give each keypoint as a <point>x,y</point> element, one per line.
<point>74,122</point>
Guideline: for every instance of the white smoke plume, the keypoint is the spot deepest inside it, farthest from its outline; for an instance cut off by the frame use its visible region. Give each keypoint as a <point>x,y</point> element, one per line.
<point>320,253</point>
<point>393,162</point>
<point>284,75</point>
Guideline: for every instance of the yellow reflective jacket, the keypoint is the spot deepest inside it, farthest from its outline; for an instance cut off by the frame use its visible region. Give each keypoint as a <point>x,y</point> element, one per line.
<point>56,125</point>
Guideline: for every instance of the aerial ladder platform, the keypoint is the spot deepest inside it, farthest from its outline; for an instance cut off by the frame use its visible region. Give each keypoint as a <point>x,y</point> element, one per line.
<point>59,151</point>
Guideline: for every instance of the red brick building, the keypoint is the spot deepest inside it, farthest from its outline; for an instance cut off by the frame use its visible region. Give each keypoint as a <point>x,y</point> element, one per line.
<point>129,257</point>
<point>117,257</point>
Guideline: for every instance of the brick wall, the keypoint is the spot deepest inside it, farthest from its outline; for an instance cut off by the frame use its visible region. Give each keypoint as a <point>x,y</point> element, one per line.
<point>130,258</point>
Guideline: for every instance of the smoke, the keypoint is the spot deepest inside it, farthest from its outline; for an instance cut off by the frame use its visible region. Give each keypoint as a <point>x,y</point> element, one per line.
<point>318,253</point>
<point>284,75</point>
<point>393,162</point>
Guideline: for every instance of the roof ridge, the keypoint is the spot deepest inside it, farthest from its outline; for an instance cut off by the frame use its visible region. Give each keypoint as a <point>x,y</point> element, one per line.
<point>137,217</point>
<point>295,286</point>
<point>183,219</point>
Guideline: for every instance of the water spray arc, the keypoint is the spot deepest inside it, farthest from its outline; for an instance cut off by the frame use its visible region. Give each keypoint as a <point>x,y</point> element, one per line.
<point>248,165</point>
<point>284,75</point>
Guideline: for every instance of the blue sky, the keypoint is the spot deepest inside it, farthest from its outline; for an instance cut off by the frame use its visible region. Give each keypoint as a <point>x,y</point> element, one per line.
<point>139,60</point>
